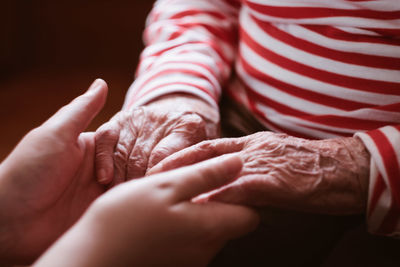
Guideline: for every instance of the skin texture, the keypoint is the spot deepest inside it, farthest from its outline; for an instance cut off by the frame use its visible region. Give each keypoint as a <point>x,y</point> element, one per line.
<point>153,222</point>
<point>48,182</point>
<point>326,176</point>
<point>135,140</point>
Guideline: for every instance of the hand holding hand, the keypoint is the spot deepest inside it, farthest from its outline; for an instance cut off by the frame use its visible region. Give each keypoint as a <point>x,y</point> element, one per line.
<point>47,182</point>
<point>135,140</point>
<point>327,176</point>
<point>153,222</point>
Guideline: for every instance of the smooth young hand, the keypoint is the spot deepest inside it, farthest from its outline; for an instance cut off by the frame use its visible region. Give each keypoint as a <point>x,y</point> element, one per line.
<point>153,222</point>
<point>47,182</point>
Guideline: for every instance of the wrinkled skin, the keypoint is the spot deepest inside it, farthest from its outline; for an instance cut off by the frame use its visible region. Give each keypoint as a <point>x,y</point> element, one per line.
<point>327,176</point>
<point>135,140</point>
<point>47,182</point>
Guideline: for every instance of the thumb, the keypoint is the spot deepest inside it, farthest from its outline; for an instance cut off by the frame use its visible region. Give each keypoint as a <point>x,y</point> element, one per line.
<point>73,118</point>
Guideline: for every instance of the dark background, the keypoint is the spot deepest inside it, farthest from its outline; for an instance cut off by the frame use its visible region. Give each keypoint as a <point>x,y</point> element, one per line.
<point>50,52</point>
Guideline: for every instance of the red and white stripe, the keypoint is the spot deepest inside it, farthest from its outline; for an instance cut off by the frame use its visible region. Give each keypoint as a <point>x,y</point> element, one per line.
<point>384,192</point>
<point>310,68</point>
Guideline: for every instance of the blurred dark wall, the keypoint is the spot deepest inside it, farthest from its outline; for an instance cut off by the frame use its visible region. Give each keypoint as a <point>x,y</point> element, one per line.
<point>70,33</point>
<point>50,52</point>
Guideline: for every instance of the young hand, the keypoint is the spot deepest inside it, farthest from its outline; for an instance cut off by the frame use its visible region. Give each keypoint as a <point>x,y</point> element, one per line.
<point>47,182</point>
<point>153,222</point>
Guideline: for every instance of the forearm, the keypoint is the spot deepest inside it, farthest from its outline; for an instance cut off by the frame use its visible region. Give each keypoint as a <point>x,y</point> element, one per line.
<point>190,48</point>
<point>360,158</point>
<point>344,162</point>
<point>82,246</point>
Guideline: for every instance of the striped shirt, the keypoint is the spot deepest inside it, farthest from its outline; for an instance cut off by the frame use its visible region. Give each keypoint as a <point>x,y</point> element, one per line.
<point>309,68</point>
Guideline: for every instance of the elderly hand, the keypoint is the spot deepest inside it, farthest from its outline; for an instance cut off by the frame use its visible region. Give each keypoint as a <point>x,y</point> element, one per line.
<point>47,182</point>
<point>327,176</point>
<point>135,140</point>
<point>153,222</point>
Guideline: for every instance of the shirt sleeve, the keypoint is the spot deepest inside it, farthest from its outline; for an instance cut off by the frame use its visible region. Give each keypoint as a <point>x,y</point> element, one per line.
<point>383,213</point>
<point>190,48</point>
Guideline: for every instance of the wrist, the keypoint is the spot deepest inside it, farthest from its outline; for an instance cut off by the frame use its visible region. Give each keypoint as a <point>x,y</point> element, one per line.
<point>362,158</point>
<point>187,103</point>
<point>83,245</point>
<point>344,171</point>
<point>352,162</point>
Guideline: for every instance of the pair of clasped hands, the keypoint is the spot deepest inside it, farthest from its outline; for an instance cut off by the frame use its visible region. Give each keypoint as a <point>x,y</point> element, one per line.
<point>55,212</point>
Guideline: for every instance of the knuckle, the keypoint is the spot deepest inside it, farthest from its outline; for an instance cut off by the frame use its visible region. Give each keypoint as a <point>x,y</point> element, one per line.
<point>192,120</point>
<point>136,112</point>
<point>121,153</point>
<point>161,152</point>
<point>103,148</point>
<point>137,162</point>
<point>189,123</point>
<point>204,145</point>
<point>103,156</point>
<point>159,155</point>
<point>208,146</point>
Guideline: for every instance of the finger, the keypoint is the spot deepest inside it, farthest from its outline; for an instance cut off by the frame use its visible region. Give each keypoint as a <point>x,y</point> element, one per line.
<point>127,140</point>
<point>199,152</point>
<point>226,221</point>
<point>73,118</point>
<point>232,194</point>
<point>87,141</point>
<point>193,180</point>
<point>138,159</point>
<point>188,130</point>
<point>106,139</point>
<point>169,145</point>
<point>254,190</point>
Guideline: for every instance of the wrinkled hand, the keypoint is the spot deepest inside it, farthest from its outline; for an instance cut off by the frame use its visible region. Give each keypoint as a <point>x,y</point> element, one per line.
<point>48,181</point>
<point>327,176</point>
<point>137,139</point>
<point>153,222</point>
